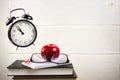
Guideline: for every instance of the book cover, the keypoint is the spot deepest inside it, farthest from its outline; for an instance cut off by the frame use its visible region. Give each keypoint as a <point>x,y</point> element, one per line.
<point>16,68</point>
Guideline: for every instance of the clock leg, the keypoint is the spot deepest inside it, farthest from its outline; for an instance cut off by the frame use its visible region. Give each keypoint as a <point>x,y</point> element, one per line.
<point>34,44</point>
<point>17,48</point>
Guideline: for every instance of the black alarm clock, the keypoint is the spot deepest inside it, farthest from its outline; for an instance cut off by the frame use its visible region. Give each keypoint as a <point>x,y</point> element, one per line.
<point>22,32</point>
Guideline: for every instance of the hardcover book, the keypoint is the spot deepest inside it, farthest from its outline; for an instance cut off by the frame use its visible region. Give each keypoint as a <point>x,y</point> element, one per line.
<point>47,77</point>
<point>17,69</point>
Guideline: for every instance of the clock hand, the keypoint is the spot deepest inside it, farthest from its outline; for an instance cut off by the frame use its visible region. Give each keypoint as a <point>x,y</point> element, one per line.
<point>20,30</point>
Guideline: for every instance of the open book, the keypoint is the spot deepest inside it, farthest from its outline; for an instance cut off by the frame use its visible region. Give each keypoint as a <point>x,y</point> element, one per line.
<point>42,65</point>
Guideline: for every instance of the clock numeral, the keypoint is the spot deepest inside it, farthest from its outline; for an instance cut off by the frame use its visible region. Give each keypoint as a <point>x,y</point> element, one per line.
<point>32,35</point>
<point>24,42</point>
<point>15,39</point>
<point>23,24</point>
<point>13,35</point>
<point>33,30</point>
<point>26,24</point>
<point>19,24</point>
<point>14,31</point>
<point>19,41</point>
<point>29,40</point>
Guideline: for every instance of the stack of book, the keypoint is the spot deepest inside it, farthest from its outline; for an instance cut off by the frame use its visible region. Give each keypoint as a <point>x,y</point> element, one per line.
<point>20,71</point>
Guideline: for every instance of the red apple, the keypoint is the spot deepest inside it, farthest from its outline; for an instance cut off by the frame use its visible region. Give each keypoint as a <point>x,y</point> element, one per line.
<point>50,51</point>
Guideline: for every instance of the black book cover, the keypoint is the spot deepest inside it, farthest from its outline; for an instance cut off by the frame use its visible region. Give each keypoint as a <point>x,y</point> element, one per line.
<point>17,65</point>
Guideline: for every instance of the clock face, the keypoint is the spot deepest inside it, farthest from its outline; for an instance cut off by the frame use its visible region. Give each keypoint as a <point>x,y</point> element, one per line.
<point>22,33</point>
